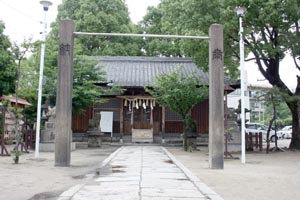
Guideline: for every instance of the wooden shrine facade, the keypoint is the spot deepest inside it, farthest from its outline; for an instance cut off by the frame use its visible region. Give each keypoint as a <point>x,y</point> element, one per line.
<point>130,113</point>
<point>135,109</point>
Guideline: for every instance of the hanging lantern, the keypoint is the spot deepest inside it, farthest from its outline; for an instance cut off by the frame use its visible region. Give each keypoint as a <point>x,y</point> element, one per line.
<point>137,104</point>
<point>129,107</point>
<point>140,102</point>
<point>147,102</point>
<point>153,103</point>
<point>144,105</point>
<point>133,104</point>
<point>125,102</point>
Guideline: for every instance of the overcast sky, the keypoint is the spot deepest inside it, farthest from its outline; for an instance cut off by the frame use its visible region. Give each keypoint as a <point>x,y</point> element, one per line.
<point>22,17</point>
<point>22,20</point>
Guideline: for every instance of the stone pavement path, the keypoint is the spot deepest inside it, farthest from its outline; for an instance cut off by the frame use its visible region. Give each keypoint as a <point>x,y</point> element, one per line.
<point>142,173</point>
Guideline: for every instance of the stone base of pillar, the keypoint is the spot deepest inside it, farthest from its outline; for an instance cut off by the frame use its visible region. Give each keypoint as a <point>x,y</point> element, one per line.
<point>232,147</point>
<point>50,147</point>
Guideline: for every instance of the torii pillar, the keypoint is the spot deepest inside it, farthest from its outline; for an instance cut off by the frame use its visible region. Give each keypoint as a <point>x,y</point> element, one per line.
<point>216,97</point>
<point>63,132</point>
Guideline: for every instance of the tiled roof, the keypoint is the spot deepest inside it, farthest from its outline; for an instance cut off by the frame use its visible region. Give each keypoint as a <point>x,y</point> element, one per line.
<point>14,100</point>
<point>132,71</point>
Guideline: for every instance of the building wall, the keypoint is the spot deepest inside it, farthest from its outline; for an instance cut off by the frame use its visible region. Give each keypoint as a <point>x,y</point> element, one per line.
<point>112,105</point>
<point>257,105</point>
<point>80,121</point>
<point>173,121</point>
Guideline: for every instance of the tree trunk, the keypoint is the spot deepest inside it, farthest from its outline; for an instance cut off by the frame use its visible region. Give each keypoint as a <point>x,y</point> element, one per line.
<point>275,117</point>
<point>185,145</point>
<point>189,128</point>
<point>268,134</point>
<point>185,133</point>
<point>295,141</point>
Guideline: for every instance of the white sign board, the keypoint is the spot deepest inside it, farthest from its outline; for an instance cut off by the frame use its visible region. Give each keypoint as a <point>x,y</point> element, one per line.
<point>106,122</point>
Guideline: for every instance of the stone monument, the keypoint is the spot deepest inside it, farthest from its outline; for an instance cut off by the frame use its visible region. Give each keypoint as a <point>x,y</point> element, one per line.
<point>47,143</point>
<point>94,133</point>
<point>48,134</point>
<point>232,131</point>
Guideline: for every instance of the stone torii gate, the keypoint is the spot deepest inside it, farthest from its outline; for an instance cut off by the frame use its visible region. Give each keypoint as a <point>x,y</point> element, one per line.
<point>63,132</point>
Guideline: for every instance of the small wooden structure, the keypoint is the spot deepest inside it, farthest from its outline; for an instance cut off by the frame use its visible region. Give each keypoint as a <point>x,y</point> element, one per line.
<point>4,151</point>
<point>13,101</point>
<point>9,121</point>
<point>253,140</point>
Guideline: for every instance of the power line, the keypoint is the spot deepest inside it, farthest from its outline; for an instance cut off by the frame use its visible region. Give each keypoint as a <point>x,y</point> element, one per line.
<point>20,12</point>
<point>15,34</point>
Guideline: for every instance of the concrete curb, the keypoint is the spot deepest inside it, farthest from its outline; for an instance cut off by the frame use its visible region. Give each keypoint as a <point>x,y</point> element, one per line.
<point>68,194</point>
<point>196,181</point>
<point>110,157</point>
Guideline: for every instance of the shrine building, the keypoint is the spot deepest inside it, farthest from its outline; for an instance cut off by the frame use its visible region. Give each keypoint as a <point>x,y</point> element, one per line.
<point>137,116</point>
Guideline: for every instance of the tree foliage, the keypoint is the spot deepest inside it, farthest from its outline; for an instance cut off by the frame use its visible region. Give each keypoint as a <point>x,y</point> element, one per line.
<point>85,92</point>
<point>8,73</point>
<point>89,16</point>
<point>271,33</point>
<point>180,94</point>
<point>106,16</point>
<point>19,52</point>
<point>272,97</point>
<point>185,17</point>
<point>177,92</point>
<point>284,117</point>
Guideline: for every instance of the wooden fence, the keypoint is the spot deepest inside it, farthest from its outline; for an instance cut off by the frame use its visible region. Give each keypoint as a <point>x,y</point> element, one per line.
<point>253,140</point>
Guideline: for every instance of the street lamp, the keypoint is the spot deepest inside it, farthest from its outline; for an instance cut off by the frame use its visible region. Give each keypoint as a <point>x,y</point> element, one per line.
<point>240,13</point>
<point>46,5</point>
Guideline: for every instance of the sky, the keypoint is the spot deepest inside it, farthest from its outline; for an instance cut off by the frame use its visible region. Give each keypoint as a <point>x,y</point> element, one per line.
<point>23,18</point>
<point>287,73</point>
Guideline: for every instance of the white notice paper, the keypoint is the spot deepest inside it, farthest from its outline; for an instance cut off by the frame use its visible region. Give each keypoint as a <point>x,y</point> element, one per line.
<point>106,122</point>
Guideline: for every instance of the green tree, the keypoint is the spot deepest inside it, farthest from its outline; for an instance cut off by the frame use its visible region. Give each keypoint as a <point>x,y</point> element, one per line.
<point>152,24</point>
<point>106,16</point>
<point>180,94</point>
<point>90,16</point>
<point>272,97</point>
<point>29,78</point>
<point>19,52</point>
<point>186,17</point>
<point>8,72</point>
<point>271,32</point>
<point>85,92</point>
<point>284,117</point>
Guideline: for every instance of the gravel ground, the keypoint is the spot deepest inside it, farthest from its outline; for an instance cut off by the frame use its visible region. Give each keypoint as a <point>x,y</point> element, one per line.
<point>39,179</point>
<point>273,176</point>
<point>264,176</point>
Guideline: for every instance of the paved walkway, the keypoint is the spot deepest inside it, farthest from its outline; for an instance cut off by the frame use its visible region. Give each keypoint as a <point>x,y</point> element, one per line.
<point>142,173</point>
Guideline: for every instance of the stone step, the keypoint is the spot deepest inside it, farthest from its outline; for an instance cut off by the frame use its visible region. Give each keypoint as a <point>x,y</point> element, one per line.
<point>82,145</point>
